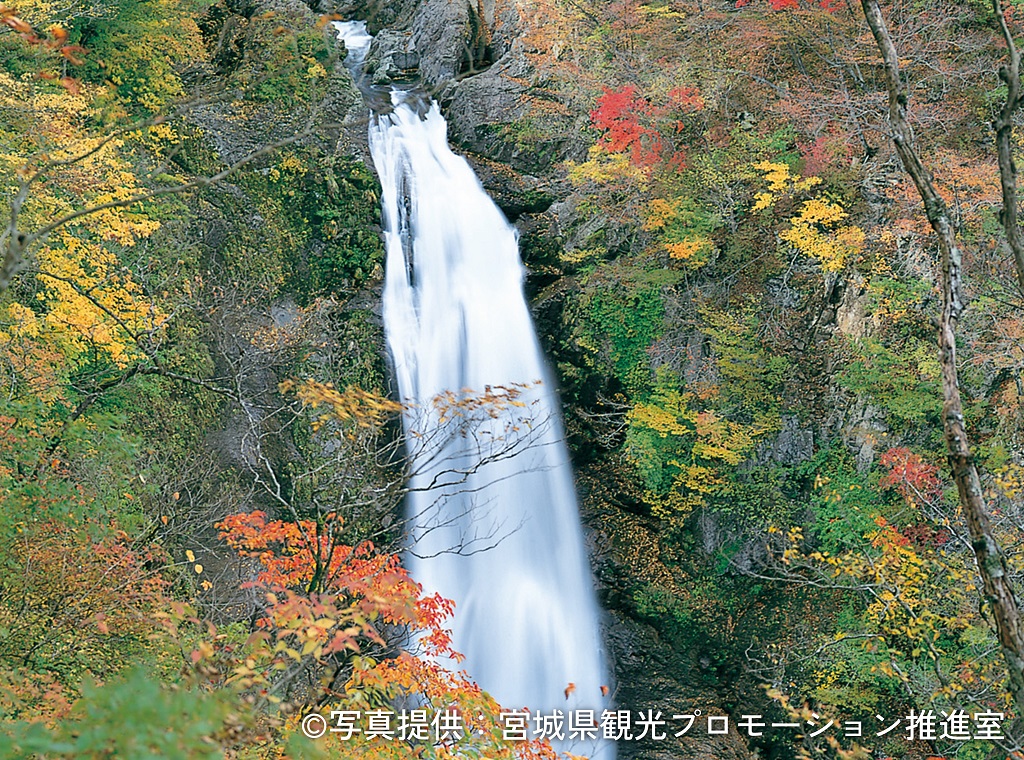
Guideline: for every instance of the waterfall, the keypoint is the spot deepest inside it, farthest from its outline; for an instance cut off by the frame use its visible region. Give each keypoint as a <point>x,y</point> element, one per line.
<point>501,537</point>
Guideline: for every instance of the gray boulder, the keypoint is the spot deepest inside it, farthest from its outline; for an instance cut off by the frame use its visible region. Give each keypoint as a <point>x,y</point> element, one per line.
<point>392,56</point>
<point>442,29</point>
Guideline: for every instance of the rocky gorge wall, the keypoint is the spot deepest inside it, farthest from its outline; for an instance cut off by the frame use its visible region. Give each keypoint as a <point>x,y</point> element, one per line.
<point>729,272</point>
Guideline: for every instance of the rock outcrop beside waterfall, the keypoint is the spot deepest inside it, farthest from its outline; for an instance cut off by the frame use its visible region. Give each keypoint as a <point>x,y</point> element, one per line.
<point>473,60</point>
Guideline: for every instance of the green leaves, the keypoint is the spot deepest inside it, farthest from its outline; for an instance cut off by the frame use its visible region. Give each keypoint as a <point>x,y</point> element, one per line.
<point>619,315</point>
<point>136,717</point>
<point>905,383</point>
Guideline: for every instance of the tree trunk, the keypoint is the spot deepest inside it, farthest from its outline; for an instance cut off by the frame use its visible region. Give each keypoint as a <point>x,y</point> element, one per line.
<point>1003,126</point>
<point>991,560</point>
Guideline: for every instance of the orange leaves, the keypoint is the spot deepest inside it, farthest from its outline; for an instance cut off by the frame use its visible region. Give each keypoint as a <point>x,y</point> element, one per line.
<point>325,606</point>
<point>70,53</point>
<point>686,98</point>
<point>326,18</point>
<point>9,18</point>
<point>77,601</point>
<point>354,405</point>
<point>659,214</point>
<point>492,402</point>
<point>36,697</point>
<point>431,614</point>
<point>327,639</point>
<point>56,40</point>
<point>684,229</point>
<point>305,557</point>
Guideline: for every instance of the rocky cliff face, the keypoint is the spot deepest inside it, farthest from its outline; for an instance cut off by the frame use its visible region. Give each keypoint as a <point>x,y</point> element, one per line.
<point>471,57</point>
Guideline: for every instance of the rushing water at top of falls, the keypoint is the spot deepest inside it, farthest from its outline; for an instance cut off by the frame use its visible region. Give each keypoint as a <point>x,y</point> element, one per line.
<point>357,41</point>
<point>493,517</point>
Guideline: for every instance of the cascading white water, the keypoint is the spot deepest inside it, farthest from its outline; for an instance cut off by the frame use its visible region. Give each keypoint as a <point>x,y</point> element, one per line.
<point>503,538</point>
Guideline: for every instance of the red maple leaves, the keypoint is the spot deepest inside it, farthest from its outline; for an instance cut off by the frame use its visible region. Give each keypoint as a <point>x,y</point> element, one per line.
<point>916,480</point>
<point>633,125</point>
<point>919,484</point>
<point>305,558</point>
<point>618,113</point>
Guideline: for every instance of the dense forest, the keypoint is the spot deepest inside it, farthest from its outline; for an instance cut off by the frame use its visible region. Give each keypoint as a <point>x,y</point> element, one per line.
<point>773,255</point>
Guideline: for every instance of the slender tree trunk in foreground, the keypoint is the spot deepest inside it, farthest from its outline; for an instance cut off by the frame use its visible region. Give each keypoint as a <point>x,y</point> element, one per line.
<point>991,560</point>
<point>1003,126</point>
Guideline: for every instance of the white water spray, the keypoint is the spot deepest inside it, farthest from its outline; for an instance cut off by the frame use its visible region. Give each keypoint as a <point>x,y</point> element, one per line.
<point>501,539</point>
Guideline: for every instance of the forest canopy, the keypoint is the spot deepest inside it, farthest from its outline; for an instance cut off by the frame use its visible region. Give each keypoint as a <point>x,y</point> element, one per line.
<point>774,257</point>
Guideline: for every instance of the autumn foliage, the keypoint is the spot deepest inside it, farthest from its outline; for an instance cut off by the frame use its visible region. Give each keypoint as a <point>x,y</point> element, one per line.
<point>336,612</point>
<point>631,124</point>
<point>55,40</point>
<point>738,298</point>
<point>915,479</point>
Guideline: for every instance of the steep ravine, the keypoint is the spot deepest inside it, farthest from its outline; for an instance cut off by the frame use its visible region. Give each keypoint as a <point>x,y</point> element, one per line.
<point>475,64</point>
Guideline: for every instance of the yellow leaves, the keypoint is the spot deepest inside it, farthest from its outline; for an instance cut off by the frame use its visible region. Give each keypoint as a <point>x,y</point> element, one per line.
<point>780,181</point>
<point>820,211</point>
<point>684,227</point>
<point>87,303</point>
<point>291,163</point>
<point>814,232</point>
<point>721,439</point>
<point>22,322</point>
<point>91,302</point>
<point>660,11</point>
<point>354,405</point>
<point>603,167</point>
<point>684,453</point>
<point>659,213</point>
<point>688,250</point>
<point>699,478</point>
<point>916,594</point>
<point>311,647</point>
<point>763,201</point>
<point>35,360</point>
<point>671,417</point>
<point>817,230</point>
<point>579,256</point>
<point>1010,480</point>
